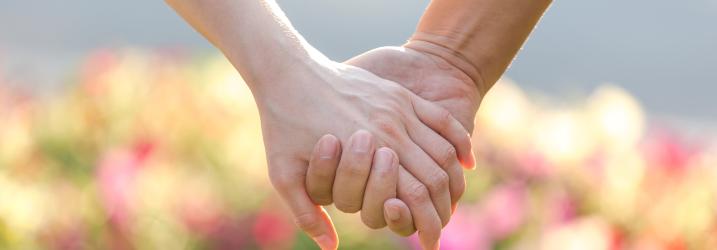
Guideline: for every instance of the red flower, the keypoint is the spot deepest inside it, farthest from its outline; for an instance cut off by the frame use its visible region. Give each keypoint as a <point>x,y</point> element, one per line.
<point>273,230</point>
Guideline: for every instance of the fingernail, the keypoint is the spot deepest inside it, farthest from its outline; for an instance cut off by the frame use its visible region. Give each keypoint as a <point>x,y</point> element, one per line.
<point>471,159</point>
<point>327,148</point>
<point>361,142</point>
<point>393,213</point>
<point>324,242</point>
<point>384,157</point>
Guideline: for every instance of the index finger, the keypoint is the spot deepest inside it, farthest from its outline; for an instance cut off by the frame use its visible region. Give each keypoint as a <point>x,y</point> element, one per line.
<point>289,180</point>
<point>425,216</point>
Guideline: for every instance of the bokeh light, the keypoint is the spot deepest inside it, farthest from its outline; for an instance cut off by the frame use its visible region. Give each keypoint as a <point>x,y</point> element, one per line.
<point>163,150</point>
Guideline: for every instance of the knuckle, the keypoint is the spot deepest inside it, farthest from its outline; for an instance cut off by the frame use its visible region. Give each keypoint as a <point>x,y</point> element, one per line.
<point>319,195</point>
<point>443,119</point>
<point>402,93</point>
<point>322,200</point>
<point>347,207</point>
<point>355,170</point>
<point>393,105</point>
<point>405,231</point>
<point>323,173</point>
<point>458,191</point>
<point>281,181</point>
<point>445,218</point>
<point>438,181</point>
<point>308,222</point>
<point>388,128</point>
<point>372,222</point>
<point>448,156</point>
<point>418,193</point>
<point>396,90</point>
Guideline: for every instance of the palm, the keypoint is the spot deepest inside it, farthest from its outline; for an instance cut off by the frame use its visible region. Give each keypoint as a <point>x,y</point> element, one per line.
<point>428,76</point>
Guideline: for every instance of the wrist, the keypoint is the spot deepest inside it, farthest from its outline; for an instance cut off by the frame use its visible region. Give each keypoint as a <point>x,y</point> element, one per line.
<point>434,45</point>
<point>289,77</point>
<point>279,69</point>
<point>480,37</point>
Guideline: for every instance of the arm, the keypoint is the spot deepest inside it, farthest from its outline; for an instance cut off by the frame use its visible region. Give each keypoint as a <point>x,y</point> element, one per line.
<point>255,36</point>
<point>480,37</point>
<point>459,50</point>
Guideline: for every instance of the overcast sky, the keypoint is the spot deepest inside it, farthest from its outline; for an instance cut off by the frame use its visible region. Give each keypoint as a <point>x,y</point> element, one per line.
<point>664,52</point>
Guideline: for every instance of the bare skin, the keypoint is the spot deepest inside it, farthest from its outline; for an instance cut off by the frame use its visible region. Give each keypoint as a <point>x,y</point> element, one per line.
<point>302,95</point>
<point>437,81</point>
<point>428,76</point>
<point>457,53</point>
<point>461,47</point>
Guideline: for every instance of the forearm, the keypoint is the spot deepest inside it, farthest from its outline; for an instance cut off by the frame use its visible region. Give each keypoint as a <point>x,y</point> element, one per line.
<point>254,35</point>
<point>481,37</point>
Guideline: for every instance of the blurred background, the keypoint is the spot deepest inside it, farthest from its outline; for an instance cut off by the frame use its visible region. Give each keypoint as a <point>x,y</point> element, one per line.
<point>121,128</point>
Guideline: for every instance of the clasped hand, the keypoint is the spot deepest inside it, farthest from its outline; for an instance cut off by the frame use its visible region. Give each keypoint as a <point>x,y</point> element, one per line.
<point>403,166</point>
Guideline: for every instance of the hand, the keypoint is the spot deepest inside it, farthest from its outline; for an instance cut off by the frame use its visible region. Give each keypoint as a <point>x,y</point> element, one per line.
<point>380,194</point>
<point>428,76</point>
<point>334,98</point>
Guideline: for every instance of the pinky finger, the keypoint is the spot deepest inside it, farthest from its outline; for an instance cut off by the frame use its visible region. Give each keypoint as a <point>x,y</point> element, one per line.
<point>398,217</point>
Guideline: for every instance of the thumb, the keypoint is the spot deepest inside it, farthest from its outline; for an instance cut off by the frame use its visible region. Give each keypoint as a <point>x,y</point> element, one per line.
<point>311,218</point>
<point>398,217</point>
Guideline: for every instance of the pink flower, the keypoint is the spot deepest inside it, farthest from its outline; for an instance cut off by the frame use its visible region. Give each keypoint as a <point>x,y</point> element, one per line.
<point>68,237</point>
<point>561,209</point>
<point>668,152</point>
<point>465,231</point>
<point>116,174</point>
<point>231,234</point>
<point>533,164</point>
<point>273,230</point>
<point>501,213</point>
<point>143,148</point>
<point>201,213</point>
<point>503,210</point>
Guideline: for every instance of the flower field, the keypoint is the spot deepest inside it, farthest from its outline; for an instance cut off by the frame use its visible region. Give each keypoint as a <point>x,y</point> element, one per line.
<point>162,150</point>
